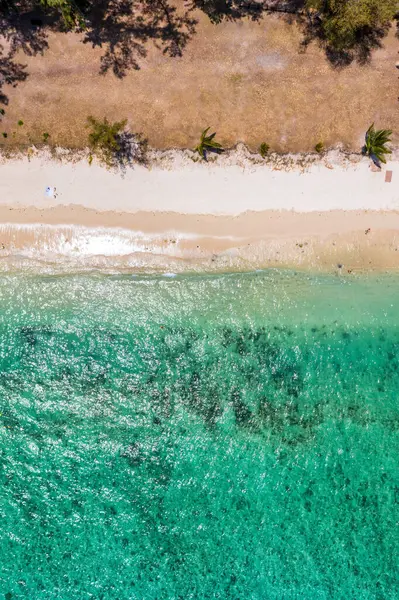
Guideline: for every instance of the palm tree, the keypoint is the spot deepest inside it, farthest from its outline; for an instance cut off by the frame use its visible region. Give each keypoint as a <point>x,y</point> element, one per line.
<point>207,142</point>
<point>375,146</point>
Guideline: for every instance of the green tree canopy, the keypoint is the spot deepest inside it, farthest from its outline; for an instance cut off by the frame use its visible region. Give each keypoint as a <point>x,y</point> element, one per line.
<point>346,23</point>
<point>72,11</point>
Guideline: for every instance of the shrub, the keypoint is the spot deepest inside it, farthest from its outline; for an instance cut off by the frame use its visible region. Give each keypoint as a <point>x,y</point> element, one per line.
<point>20,123</point>
<point>104,138</point>
<point>319,147</point>
<point>113,145</point>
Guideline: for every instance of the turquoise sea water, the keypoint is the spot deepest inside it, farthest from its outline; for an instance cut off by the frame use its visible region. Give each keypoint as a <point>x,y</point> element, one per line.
<point>227,436</point>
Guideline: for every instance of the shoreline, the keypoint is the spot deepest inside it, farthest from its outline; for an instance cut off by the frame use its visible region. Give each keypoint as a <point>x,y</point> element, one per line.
<point>80,239</point>
<point>332,214</point>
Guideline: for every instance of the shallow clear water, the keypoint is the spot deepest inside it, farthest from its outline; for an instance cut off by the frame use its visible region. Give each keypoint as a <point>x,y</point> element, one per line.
<point>231,436</point>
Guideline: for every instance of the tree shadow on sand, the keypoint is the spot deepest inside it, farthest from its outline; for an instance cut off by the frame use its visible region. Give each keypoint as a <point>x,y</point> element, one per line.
<point>11,73</point>
<point>19,32</point>
<point>364,42</point>
<point>124,27</point>
<point>219,10</point>
<point>294,11</point>
<point>133,148</point>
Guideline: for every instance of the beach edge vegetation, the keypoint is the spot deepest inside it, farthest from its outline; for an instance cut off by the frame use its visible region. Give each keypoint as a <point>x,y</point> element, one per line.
<point>114,145</point>
<point>208,143</point>
<point>375,144</point>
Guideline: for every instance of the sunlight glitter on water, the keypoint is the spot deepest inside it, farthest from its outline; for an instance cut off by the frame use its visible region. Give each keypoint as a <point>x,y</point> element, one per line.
<point>230,436</point>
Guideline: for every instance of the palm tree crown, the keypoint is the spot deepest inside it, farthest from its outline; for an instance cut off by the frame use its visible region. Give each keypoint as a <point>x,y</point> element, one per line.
<point>375,143</point>
<point>207,142</point>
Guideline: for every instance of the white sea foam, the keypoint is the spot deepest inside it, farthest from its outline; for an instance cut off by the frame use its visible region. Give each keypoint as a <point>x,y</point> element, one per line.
<point>75,248</point>
<point>36,240</point>
<point>66,247</point>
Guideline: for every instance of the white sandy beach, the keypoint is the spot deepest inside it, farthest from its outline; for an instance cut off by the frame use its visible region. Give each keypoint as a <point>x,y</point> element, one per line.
<point>329,213</point>
<point>230,186</point>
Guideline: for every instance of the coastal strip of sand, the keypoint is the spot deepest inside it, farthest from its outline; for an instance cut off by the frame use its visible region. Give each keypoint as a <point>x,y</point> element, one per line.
<point>179,215</point>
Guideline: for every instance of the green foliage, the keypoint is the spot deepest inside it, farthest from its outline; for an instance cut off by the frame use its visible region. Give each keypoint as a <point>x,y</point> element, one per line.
<point>264,149</point>
<point>5,135</point>
<point>207,142</point>
<point>105,139</point>
<point>45,137</point>
<point>2,112</point>
<point>71,11</point>
<point>376,140</point>
<point>220,10</point>
<point>20,123</point>
<point>319,147</point>
<point>344,23</point>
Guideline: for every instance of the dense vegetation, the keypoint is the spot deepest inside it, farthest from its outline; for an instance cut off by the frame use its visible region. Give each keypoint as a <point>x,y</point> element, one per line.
<point>348,25</point>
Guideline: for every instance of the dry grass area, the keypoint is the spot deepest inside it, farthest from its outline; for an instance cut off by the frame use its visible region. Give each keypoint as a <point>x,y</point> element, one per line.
<point>249,81</point>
